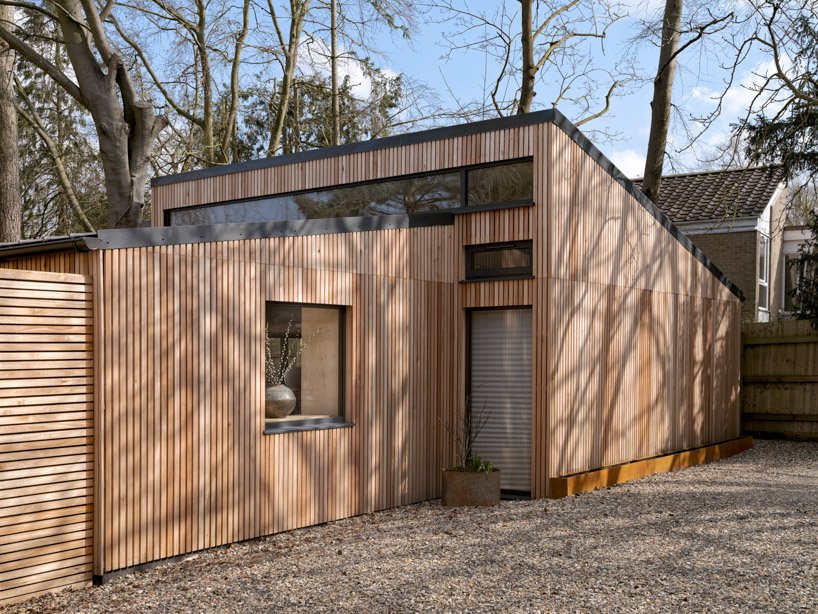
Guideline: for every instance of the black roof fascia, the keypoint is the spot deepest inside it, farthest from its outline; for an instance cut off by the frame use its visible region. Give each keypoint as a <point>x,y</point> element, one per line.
<point>177,235</point>
<point>399,140</point>
<point>588,147</point>
<point>79,242</point>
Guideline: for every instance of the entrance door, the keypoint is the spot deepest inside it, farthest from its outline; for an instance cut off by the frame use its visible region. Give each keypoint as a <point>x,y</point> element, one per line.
<point>500,388</point>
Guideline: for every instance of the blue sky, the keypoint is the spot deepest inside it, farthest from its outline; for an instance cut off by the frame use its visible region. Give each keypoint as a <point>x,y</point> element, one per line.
<point>698,79</point>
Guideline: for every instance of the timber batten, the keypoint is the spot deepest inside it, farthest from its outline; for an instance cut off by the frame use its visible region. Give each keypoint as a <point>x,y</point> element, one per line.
<point>46,433</point>
<point>635,340</point>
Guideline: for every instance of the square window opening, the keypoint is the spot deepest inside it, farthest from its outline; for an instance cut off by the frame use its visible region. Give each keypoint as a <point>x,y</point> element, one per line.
<point>304,356</point>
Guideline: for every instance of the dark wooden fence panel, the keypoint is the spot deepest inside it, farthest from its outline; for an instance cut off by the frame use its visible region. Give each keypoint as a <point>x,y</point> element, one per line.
<point>779,374</point>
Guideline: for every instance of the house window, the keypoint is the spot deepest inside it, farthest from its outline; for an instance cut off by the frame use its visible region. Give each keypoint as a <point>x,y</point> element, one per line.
<point>792,274</point>
<point>764,273</point>
<point>498,260</point>
<point>506,183</point>
<point>303,360</point>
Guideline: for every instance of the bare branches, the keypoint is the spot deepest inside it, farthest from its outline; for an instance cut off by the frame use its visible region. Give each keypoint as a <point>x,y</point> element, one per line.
<point>553,45</point>
<point>43,64</point>
<point>607,106</point>
<point>30,115</point>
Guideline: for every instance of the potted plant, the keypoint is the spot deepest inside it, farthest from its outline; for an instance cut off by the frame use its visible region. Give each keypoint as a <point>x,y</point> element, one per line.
<point>279,399</point>
<point>472,481</point>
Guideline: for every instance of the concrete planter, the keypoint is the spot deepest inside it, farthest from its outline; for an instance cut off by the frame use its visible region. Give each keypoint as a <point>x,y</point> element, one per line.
<point>471,488</point>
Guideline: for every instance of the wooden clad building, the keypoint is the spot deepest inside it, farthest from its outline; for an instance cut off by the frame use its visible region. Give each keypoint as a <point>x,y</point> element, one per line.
<point>506,259</point>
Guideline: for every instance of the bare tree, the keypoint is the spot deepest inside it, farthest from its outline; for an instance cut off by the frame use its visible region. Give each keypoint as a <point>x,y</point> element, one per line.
<point>126,125</point>
<point>553,43</point>
<point>669,49</point>
<point>662,92</point>
<point>203,30</point>
<point>10,205</point>
<point>289,49</point>
<point>28,112</point>
<point>352,26</point>
<point>336,101</point>
<point>781,124</point>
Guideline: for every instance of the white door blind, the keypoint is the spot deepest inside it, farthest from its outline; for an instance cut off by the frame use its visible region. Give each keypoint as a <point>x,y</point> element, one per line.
<point>501,392</point>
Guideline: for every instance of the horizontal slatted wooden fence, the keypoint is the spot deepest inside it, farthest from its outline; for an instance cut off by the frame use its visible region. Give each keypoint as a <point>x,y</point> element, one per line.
<point>46,432</point>
<point>779,369</point>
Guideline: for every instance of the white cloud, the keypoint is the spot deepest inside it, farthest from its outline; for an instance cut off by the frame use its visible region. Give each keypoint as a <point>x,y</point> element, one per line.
<point>316,58</point>
<point>742,96</point>
<point>744,91</point>
<point>629,161</point>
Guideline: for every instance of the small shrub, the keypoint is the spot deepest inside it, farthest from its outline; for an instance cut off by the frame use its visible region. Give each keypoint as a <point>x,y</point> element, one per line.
<point>474,464</point>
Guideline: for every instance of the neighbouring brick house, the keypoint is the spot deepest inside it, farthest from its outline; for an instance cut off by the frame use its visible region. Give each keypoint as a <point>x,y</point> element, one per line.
<point>736,217</point>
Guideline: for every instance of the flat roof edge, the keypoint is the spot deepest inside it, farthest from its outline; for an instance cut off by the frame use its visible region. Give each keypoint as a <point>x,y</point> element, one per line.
<point>398,140</point>
<point>210,233</point>
<point>575,134</point>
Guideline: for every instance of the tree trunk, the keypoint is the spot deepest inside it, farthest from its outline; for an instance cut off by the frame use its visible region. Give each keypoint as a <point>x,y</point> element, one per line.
<point>529,70</point>
<point>10,205</point>
<point>296,24</point>
<point>126,127</point>
<point>336,103</point>
<point>207,86</point>
<point>229,137</point>
<point>660,106</point>
<point>126,130</point>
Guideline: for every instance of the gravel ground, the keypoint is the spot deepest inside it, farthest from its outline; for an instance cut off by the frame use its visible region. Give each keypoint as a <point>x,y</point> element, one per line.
<point>739,535</point>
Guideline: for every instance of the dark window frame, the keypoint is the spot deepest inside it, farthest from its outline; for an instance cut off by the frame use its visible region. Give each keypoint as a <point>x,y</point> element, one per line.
<point>505,494</point>
<point>463,171</point>
<point>491,274</point>
<point>273,426</point>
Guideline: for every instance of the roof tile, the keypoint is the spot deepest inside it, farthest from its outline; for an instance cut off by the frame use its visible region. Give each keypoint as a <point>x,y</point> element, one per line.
<point>714,195</point>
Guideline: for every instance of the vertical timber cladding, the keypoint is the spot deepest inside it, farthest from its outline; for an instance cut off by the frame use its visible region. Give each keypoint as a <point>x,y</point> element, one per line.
<point>46,432</point>
<point>200,362</point>
<point>187,465</point>
<point>635,346</point>
<point>643,352</point>
<point>492,226</point>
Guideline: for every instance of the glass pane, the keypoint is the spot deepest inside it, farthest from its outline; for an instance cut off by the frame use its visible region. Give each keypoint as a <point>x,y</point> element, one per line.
<point>764,259</point>
<point>763,296</point>
<point>511,258</point>
<point>304,353</point>
<point>790,281</point>
<point>425,193</point>
<point>501,184</point>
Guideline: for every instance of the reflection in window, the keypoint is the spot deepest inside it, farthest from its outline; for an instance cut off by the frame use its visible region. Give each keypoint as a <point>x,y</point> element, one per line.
<point>764,273</point>
<point>792,274</point>
<point>501,184</point>
<point>498,260</point>
<point>315,374</point>
<point>411,195</point>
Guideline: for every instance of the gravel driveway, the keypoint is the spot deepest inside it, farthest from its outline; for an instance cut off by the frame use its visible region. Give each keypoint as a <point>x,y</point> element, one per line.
<point>739,535</point>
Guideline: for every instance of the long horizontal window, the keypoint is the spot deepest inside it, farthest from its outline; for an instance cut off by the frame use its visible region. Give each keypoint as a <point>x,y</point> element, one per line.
<point>485,185</point>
